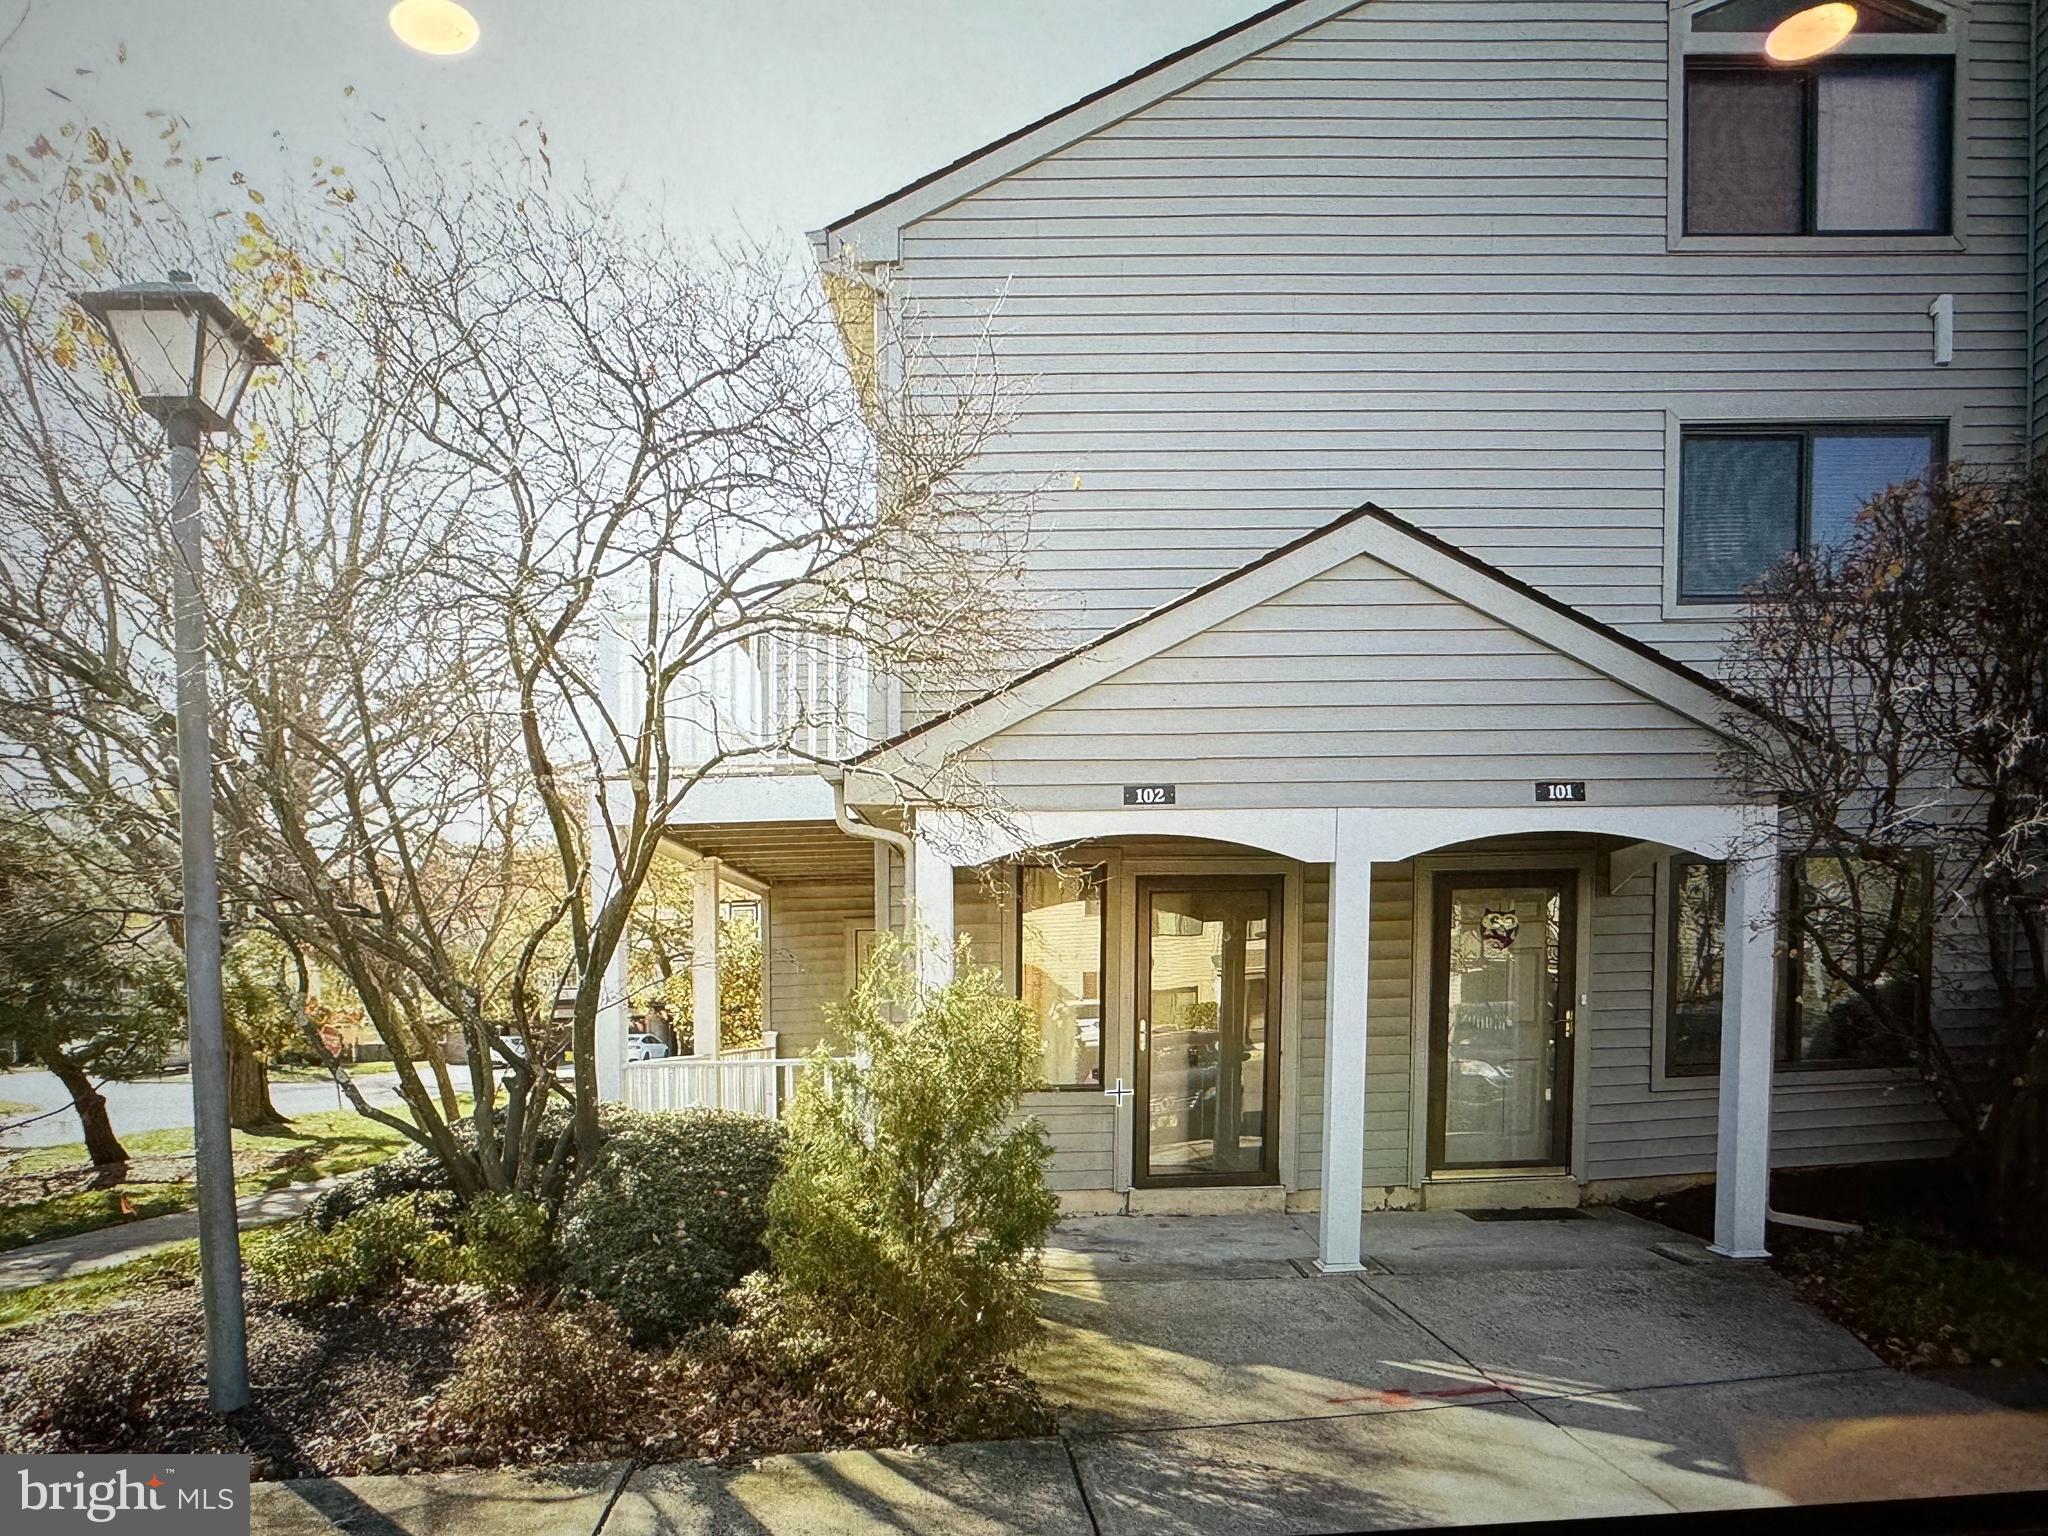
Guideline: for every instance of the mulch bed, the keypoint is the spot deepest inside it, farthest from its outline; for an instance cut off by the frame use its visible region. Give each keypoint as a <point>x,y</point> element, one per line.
<point>352,1388</point>
<point>1912,1216</point>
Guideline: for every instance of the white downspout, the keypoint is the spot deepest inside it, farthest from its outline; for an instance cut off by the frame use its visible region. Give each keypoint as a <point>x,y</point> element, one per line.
<point>870,833</point>
<point>1813,1223</point>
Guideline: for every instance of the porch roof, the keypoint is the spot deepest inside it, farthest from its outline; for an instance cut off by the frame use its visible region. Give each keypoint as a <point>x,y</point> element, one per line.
<point>780,852</point>
<point>1367,531</point>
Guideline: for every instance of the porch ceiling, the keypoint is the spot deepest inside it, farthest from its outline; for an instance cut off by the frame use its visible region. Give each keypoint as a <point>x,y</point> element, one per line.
<point>780,852</point>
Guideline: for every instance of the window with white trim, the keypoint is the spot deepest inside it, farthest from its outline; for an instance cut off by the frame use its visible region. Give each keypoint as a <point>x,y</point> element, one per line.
<point>1749,496</point>
<point>1859,141</point>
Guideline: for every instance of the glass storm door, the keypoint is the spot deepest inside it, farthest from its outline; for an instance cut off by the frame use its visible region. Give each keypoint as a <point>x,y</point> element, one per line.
<point>1208,1031</point>
<point>1501,1021</point>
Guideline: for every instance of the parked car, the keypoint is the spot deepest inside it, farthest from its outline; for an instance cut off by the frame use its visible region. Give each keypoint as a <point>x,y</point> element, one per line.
<point>516,1046</point>
<point>646,1048</point>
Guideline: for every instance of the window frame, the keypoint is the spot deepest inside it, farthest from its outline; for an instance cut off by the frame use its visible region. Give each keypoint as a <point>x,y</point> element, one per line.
<point>1943,68</point>
<point>1665,1077</point>
<point>1785,1045</point>
<point>1951,44</point>
<point>1098,874</point>
<point>1805,431</point>
<point>1667,976</point>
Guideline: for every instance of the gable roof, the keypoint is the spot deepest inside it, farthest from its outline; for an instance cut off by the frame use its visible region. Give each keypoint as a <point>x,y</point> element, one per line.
<point>1366,530</point>
<point>872,233</point>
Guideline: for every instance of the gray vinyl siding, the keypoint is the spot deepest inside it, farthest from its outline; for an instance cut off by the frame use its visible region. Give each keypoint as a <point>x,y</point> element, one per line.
<point>2038,182</point>
<point>807,954</point>
<point>1379,687</point>
<point>1419,254</point>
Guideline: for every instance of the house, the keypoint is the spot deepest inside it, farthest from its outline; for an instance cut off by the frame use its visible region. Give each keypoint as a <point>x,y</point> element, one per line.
<point>1433,376</point>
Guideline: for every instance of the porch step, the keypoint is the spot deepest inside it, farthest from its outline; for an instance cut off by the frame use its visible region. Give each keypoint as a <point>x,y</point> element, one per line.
<point>1501,1192</point>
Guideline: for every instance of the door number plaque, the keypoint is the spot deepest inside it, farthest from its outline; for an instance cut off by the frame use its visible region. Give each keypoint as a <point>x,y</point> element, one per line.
<point>1149,794</point>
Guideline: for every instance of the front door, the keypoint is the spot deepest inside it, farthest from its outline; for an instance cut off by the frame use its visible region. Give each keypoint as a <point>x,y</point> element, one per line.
<point>1501,1020</point>
<point>1208,1031</point>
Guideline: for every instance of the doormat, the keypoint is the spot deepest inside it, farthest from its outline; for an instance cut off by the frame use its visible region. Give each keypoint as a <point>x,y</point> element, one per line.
<point>1533,1213</point>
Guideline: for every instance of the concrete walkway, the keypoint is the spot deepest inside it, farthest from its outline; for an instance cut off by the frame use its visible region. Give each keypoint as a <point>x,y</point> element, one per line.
<point>83,1252</point>
<point>1208,1379</point>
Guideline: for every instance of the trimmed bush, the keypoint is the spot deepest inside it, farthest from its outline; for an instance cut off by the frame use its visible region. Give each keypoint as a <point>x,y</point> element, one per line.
<point>530,1379</point>
<point>499,1242</point>
<point>371,1247</point>
<point>671,1217</point>
<point>505,1243</point>
<point>415,1171</point>
<point>104,1389</point>
<point>907,1225</point>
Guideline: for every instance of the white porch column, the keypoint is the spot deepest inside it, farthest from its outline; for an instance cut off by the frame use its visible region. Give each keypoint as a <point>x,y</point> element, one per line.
<point>704,959</point>
<point>1343,1172</point>
<point>1742,1166</point>
<point>612,1021</point>
<point>932,917</point>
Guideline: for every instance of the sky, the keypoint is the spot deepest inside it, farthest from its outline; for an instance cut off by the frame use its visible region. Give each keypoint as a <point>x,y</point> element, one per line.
<point>768,116</point>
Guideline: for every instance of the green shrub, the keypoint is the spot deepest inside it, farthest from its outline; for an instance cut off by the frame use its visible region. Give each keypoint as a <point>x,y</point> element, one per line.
<point>105,1388</point>
<point>368,1248</point>
<point>907,1225</point>
<point>500,1242</point>
<point>529,1378</point>
<point>505,1243</point>
<point>415,1171</point>
<point>670,1217</point>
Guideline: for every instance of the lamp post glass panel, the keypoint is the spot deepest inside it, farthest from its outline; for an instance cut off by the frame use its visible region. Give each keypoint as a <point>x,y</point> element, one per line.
<point>188,357</point>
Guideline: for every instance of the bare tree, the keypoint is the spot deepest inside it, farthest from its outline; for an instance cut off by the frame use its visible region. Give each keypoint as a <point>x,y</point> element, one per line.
<point>533,475</point>
<point>1904,679</point>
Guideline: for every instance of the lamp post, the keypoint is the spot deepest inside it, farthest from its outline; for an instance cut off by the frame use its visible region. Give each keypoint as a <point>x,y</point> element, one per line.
<point>189,357</point>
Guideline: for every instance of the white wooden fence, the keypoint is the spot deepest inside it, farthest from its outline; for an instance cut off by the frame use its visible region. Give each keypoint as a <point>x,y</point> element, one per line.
<point>744,1083</point>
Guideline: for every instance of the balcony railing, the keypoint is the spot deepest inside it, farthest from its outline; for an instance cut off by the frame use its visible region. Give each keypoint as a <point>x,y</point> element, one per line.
<point>779,700</point>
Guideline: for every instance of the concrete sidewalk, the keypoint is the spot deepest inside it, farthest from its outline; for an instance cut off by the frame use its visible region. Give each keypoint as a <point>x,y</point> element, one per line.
<point>83,1252</point>
<point>1207,1379</point>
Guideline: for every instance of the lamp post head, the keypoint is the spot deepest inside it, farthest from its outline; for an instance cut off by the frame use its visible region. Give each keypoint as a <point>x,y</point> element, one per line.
<point>185,352</point>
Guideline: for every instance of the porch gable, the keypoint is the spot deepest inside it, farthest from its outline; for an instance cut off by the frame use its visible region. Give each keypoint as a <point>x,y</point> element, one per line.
<point>1365,664</point>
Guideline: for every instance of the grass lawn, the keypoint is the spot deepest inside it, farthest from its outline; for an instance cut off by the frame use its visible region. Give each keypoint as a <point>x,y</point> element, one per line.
<point>176,1265</point>
<point>50,1192</point>
<point>15,1107</point>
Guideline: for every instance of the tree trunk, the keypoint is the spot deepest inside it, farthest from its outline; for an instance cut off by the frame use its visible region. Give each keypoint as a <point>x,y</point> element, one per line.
<point>101,1145</point>
<point>249,1106</point>
<point>436,1055</point>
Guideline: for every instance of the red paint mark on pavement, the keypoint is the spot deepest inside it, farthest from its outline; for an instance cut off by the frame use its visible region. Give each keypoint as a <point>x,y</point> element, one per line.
<point>1395,1397</point>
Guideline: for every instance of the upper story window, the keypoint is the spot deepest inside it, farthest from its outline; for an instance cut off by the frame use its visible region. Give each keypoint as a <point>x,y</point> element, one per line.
<point>1856,142</point>
<point>1750,496</point>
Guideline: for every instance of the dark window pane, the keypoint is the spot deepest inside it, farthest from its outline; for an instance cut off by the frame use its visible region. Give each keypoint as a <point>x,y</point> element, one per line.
<point>1862,945</point>
<point>1762,15</point>
<point>1059,968</point>
<point>1692,1041</point>
<point>1883,150</point>
<point>1745,152</point>
<point>1849,470</point>
<point>1738,511</point>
